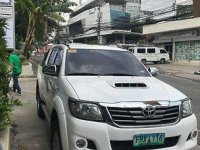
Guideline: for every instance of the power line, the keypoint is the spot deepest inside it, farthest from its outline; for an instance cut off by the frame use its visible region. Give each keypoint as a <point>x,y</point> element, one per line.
<point>119,23</point>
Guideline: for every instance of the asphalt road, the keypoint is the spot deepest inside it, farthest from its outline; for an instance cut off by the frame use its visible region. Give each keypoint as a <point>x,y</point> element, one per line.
<point>189,88</point>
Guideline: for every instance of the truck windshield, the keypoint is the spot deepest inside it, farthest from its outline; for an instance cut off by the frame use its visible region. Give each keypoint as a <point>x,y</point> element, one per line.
<point>103,63</point>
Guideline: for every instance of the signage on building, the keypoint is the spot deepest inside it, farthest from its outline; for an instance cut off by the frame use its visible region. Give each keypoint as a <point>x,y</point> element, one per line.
<point>6,3</point>
<point>10,34</point>
<point>172,35</point>
<point>6,7</point>
<point>7,11</point>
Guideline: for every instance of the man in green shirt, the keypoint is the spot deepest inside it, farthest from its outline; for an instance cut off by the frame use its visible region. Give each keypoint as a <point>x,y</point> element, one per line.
<point>15,62</point>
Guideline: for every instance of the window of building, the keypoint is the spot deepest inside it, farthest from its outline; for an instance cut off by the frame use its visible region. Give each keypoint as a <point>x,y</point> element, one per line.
<point>116,7</point>
<point>151,50</point>
<point>141,50</point>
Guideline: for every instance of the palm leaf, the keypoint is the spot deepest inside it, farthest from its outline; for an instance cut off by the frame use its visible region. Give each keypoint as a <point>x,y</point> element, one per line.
<point>24,5</point>
<point>55,16</point>
<point>63,7</point>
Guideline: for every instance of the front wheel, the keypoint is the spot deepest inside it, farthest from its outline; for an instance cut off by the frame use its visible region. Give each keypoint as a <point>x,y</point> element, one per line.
<point>55,140</point>
<point>162,61</point>
<point>40,112</point>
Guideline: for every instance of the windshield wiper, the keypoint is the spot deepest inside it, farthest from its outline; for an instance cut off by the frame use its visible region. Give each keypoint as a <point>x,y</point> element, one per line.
<point>82,74</point>
<point>119,74</point>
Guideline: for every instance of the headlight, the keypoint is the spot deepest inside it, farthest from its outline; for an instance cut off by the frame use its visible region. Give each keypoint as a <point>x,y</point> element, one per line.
<point>186,108</point>
<point>85,110</point>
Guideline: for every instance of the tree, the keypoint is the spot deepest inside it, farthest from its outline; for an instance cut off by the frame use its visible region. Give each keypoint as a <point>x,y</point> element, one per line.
<point>6,105</point>
<point>41,15</point>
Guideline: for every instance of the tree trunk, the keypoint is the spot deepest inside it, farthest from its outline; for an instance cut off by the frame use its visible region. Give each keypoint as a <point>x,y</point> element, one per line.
<point>30,32</point>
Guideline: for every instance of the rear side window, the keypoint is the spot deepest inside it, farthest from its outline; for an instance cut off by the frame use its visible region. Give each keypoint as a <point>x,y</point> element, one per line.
<point>162,51</point>
<point>141,50</point>
<point>151,50</point>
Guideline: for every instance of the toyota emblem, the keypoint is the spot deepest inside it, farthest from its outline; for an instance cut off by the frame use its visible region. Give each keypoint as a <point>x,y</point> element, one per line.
<point>149,111</point>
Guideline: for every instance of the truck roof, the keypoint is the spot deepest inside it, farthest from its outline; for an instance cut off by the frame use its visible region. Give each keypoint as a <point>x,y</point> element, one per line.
<point>95,47</point>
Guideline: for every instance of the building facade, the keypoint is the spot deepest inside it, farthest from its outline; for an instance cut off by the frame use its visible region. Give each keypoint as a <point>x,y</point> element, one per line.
<point>114,16</point>
<point>133,7</point>
<point>180,38</point>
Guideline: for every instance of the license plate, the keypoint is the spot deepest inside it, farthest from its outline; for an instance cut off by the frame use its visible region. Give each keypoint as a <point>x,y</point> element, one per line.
<point>148,139</point>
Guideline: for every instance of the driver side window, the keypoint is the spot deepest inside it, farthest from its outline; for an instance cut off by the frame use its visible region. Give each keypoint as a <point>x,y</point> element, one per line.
<point>52,57</point>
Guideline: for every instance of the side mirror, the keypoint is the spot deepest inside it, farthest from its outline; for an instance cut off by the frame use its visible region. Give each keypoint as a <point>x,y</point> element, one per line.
<point>153,71</point>
<point>50,70</point>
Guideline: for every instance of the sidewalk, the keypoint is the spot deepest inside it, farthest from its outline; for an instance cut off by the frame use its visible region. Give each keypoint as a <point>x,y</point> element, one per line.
<point>182,70</point>
<point>27,71</point>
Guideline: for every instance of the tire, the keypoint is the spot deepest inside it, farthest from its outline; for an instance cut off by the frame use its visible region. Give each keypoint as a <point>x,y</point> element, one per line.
<point>144,61</point>
<point>40,112</point>
<point>55,140</point>
<point>162,60</point>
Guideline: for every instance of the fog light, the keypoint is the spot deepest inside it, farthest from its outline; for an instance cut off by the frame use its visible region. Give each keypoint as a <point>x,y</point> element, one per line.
<point>81,143</point>
<point>194,134</point>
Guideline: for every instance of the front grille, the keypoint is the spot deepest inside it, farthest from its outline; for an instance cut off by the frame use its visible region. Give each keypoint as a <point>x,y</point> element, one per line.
<point>128,145</point>
<point>135,117</point>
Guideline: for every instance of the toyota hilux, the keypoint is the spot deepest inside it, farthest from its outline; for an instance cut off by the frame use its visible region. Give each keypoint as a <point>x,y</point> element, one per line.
<point>104,98</point>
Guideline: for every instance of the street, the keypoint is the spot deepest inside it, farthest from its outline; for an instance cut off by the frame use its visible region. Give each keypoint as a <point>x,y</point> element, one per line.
<point>188,87</point>
<point>31,133</point>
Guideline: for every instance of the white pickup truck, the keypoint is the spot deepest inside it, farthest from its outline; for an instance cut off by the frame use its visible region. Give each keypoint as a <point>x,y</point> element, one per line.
<point>103,98</point>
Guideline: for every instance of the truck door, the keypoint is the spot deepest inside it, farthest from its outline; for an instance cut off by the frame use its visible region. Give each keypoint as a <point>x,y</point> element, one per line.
<point>164,54</point>
<point>53,81</point>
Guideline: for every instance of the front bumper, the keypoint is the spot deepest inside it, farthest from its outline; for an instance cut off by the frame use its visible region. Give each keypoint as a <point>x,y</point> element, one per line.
<point>102,134</point>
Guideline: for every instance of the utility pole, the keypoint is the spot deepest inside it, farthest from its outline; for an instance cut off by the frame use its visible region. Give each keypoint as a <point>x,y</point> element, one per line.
<point>196,5</point>
<point>175,7</point>
<point>99,16</point>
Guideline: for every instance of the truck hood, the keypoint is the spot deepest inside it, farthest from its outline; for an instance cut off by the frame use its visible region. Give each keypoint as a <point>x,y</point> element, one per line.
<point>112,89</point>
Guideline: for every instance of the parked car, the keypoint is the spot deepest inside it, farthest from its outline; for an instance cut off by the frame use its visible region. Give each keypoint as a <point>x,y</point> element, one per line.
<point>150,54</point>
<point>103,98</point>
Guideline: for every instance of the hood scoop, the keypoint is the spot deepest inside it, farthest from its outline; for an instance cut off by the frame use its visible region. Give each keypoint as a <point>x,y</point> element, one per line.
<point>130,85</point>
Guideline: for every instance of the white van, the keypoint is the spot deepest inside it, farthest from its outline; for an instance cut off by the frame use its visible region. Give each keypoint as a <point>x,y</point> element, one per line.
<point>150,54</point>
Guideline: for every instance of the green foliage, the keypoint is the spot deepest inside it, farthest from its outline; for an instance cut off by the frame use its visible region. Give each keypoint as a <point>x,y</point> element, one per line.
<point>45,15</point>
<point>18,41</point>
<point>143,42</point>
<point>3,60</point>
<point>6,105</point>
<point>93,41</point>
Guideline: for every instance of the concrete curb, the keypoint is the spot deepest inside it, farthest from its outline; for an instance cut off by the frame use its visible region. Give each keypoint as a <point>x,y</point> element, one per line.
<point>5,136</point>
<point>5,139</point>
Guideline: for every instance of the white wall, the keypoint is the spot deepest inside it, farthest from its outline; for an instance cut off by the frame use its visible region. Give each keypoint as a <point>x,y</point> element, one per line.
<point>90,17</point>
<point>172,26</point>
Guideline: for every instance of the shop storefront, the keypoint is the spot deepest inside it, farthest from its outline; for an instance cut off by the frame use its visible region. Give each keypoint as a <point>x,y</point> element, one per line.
<point>180,38</point>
